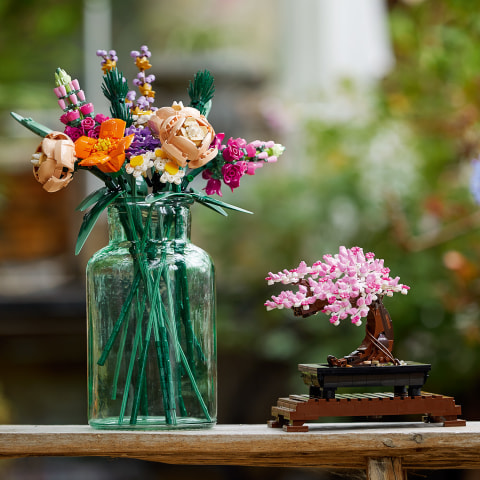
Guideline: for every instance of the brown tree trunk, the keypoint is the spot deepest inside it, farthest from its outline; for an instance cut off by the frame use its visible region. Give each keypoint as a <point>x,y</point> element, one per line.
<point>377,346</point>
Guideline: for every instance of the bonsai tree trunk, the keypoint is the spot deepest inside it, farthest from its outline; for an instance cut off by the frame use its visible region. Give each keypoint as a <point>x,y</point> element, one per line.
<point>377,346</point>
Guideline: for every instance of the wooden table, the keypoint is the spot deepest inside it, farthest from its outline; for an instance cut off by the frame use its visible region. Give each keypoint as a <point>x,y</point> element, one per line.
<point>385,450</point>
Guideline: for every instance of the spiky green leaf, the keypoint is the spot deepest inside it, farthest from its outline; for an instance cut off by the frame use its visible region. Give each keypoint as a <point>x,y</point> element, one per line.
<point>91,217</point>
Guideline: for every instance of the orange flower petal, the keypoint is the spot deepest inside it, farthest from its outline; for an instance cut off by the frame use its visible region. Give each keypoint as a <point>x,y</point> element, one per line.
<point>84,146</point>
<point>114,163</point>
<point>95,159</point>
<point>112,128</point>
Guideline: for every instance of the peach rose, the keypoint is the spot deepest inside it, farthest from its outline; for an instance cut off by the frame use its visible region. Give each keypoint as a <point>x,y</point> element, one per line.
<point>54,161</point>
<point>185,134</point>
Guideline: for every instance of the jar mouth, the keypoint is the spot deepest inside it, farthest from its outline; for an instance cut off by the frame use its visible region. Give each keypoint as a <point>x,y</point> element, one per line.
<point>148,201</point>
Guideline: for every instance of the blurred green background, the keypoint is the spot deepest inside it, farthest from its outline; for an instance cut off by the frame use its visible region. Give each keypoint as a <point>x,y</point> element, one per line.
<point>376,157</point>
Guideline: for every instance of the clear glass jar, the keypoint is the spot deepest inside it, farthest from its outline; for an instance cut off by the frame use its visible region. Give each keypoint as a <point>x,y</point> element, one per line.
<point>151,322</point>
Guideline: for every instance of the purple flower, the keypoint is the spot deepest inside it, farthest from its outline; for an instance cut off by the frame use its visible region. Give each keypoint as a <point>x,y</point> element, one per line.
<point>143,103</point>
<point>232,173</point>
<point>234,151</point>
<point>87,124</point>
<point>73,132</point>
<point>142,141</point>
<point>213,186</point>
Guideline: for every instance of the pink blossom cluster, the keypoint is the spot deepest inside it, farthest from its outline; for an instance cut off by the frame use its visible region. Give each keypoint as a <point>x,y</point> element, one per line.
<point>347,282</point>
<point>235,159</point>
<point>88,126</point>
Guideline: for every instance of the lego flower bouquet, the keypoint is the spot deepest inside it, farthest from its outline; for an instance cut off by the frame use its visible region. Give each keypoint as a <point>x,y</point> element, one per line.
<point>150,292</point>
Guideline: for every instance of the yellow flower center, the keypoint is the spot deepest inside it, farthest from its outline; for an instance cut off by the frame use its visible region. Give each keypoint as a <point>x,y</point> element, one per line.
<point>136,161</point>
<point>171,168</point>
<point>160,153</point>
<point>104,145</point>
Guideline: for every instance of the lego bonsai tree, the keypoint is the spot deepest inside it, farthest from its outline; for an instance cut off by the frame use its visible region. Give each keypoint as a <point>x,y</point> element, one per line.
<point>348,284</point>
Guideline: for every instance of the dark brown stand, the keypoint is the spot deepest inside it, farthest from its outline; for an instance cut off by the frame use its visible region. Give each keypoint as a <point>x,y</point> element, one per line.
<point>407,399</point>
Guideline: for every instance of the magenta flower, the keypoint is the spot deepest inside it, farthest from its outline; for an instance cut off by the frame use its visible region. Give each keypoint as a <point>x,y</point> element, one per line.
<point>217,141</point>
<point>100,118</point>
<point>232,173</point>
<point>72,115</point>
<point>213,187</point>
<point>251,150</point>
<point>234,151</point>
<point>73,132</point>
<point>87,124</point>
<point>94,132</point>
<point>87,108</point>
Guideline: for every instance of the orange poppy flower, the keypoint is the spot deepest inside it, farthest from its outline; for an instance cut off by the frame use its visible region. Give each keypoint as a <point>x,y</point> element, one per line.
<point>108,151</point>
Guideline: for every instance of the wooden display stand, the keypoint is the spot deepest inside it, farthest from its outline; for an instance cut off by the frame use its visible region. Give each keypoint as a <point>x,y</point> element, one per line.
<point>407,399</point>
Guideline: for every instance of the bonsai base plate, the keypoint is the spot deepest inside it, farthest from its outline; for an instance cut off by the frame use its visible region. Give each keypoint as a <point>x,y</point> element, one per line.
<point>291,413</point>
<point>323,380</point>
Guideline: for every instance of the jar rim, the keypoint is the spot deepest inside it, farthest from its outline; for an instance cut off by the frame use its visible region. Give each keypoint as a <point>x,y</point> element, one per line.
<point>143,202</point>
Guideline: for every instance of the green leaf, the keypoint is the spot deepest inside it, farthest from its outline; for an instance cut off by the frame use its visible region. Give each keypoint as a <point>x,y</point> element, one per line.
<point>164,196</point>
<point>91,199</point>
<point>91,217</point>
<point>201,91</point>
<point>215,208</point>
<point>206,199</point>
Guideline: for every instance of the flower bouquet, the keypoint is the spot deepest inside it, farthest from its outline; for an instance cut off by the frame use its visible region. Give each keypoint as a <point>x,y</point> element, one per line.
<point>150,292</point>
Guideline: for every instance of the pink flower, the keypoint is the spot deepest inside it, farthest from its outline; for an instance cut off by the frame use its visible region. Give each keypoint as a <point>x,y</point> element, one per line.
<point>234,151</point>
<point>87,124</point>
<point>217,141</point>
<point>232,173</point>
<point>100,118</point>
<point>251,150</point>
<point>72,115</point>
<point>87,108</point>
<point>94,132</point>
<point>213,187</point>
<point>252,166</point>
<point>73,132</point>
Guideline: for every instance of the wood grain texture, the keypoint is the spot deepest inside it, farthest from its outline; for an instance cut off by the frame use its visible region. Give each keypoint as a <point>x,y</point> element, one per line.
<point>329,446</point>
<point>386,468</point>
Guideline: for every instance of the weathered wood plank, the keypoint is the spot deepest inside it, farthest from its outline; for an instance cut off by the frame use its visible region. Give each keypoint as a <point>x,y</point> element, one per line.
<point>385,468</point>
<point>332,446</point>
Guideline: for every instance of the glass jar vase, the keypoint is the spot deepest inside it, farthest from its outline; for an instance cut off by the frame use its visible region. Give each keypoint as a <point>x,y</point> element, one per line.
<point>151,322</point>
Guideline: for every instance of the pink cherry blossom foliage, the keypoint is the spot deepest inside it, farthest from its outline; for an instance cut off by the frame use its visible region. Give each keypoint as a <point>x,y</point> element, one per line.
<point>347,282</point>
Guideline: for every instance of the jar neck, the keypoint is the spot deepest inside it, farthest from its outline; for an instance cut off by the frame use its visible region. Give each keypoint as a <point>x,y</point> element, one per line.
<point>137,221</point>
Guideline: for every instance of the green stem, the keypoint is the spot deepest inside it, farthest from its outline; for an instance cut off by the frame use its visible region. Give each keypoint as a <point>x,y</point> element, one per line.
<point>194,384</point>
<point>163,358</point>
<point>121,348</point>
<point>123,315</point>
<point>128,379</point>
